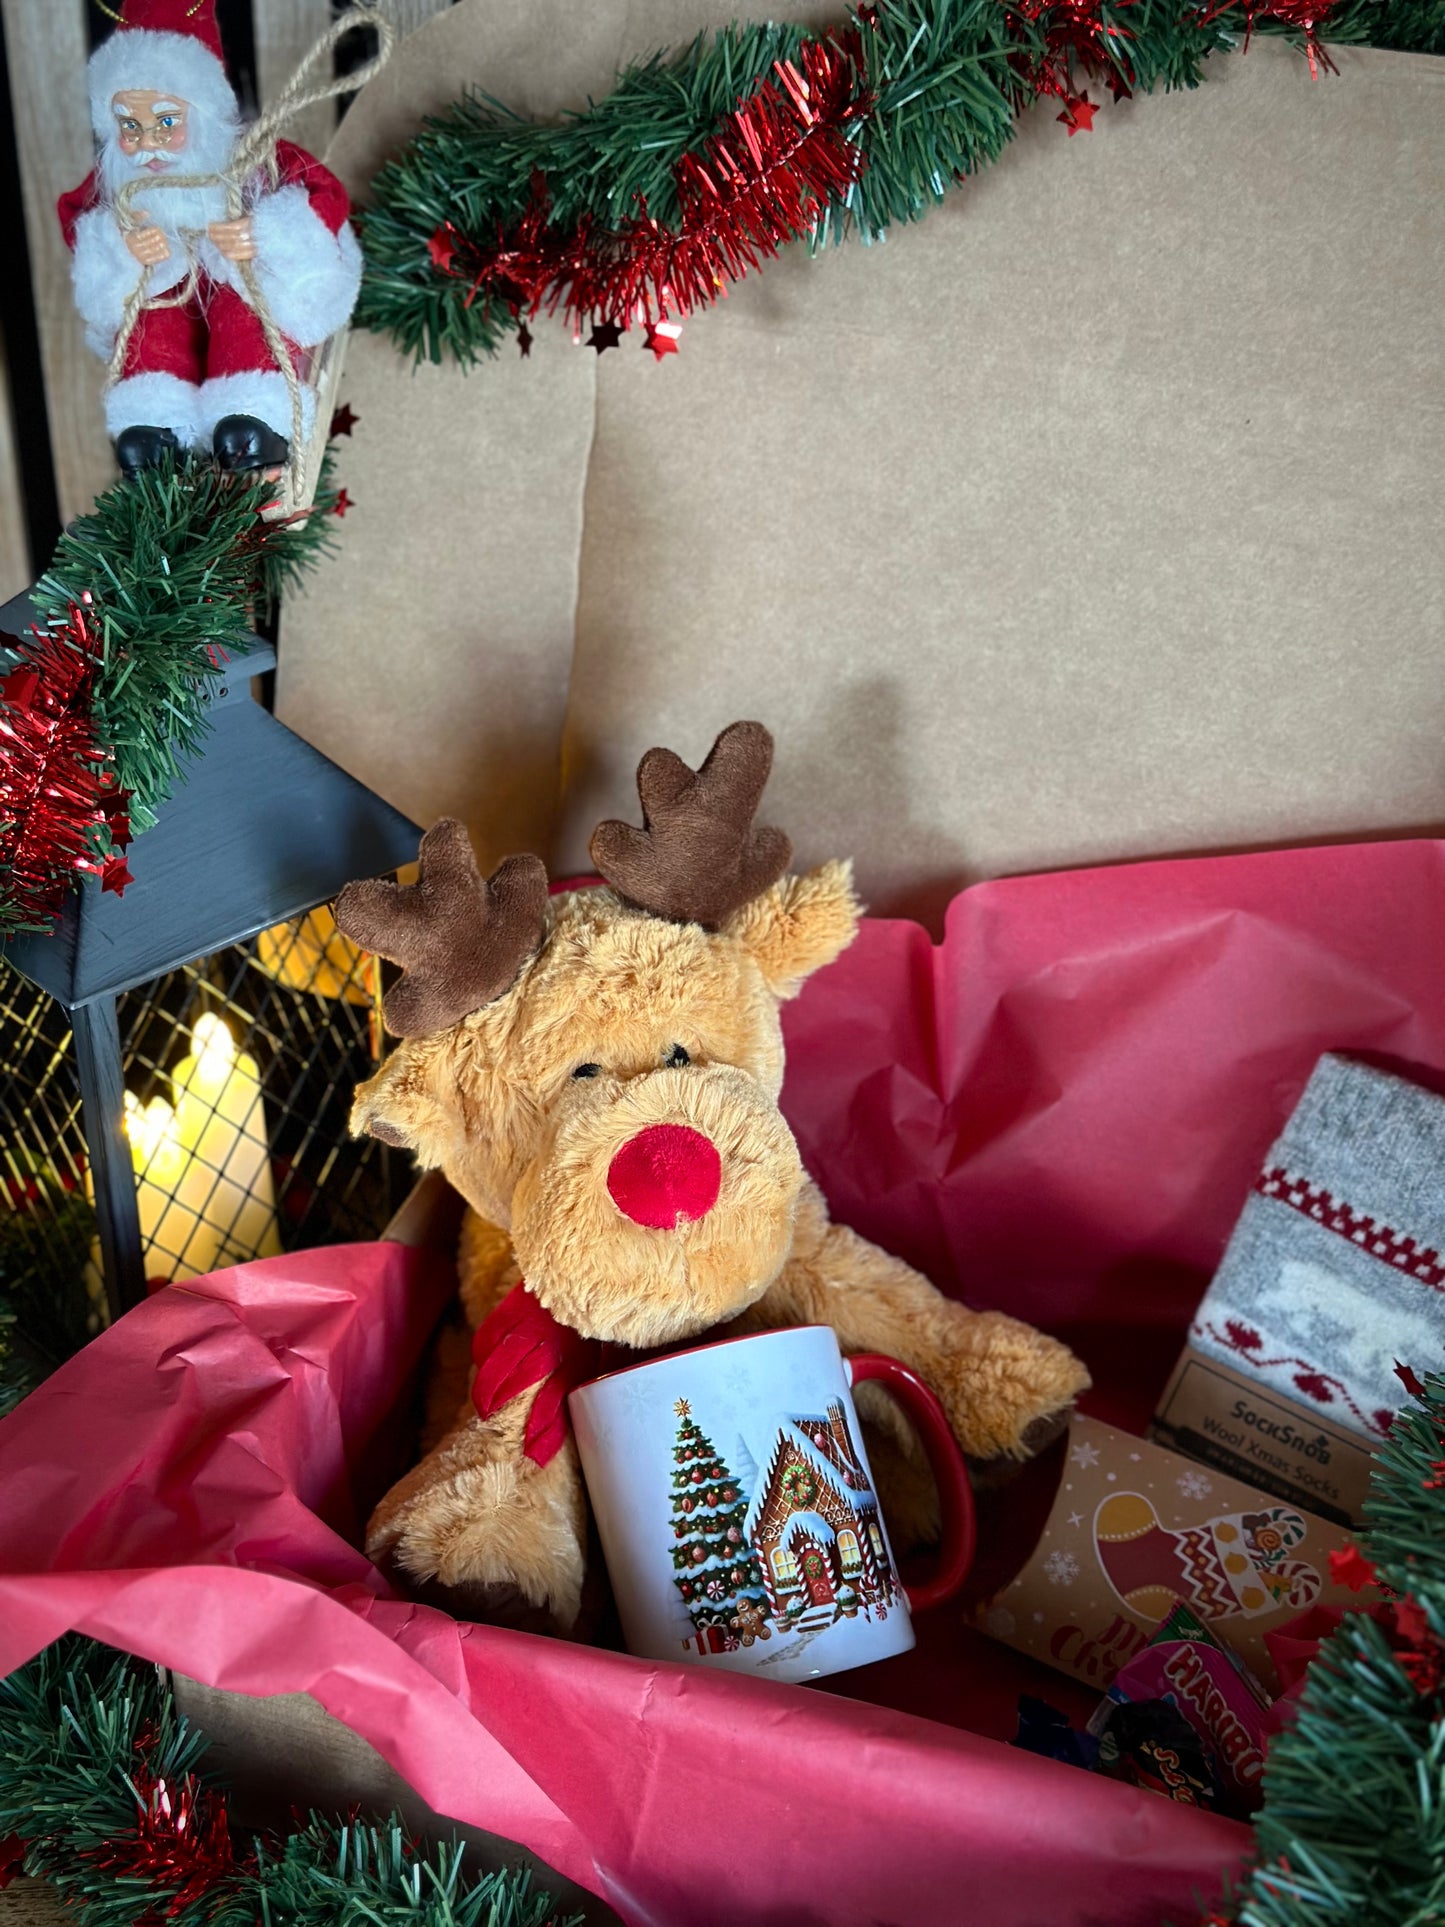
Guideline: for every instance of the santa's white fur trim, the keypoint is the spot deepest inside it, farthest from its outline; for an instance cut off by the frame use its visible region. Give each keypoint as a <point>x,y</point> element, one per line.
<point>155,401</point>
<point>262,394</point>
<point>136,58</point>
<point>105,274</point>
<point>309,276</point>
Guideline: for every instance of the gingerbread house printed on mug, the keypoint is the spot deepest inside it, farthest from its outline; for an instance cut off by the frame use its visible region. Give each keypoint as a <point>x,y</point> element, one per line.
<point>815,1527</point>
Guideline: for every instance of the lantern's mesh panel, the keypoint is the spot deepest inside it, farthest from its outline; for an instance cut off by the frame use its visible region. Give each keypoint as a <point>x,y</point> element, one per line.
<point>47,1227</point>
<point>239,1136</point>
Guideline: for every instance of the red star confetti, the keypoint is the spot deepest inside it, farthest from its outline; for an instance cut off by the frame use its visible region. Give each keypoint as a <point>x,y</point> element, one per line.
<point>1351,1568</point>
<point>661,338</point>
<point>117,820</point>
<point>1410,1622</point>
<point>116,875</point>
<point>1410,1379</point>
<point>442,247</point>
<point>524,339</point>
<point>344,420</point>
<point>342,503</point>
<point>12,1858</point>
<point>1078,114</point>
<point>605,335</point>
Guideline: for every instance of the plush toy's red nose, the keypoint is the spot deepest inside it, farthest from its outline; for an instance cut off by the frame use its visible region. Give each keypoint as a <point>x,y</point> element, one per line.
<point>666,1176</point>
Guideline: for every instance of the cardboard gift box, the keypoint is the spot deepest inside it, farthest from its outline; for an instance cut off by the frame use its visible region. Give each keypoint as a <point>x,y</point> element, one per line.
<point>1093,517</point>
<point>1073,526</point>
<point>1135,1530</point>
<point>1058,1110</point>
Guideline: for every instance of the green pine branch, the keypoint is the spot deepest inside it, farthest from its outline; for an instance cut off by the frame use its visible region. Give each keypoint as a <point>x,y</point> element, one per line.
<point>351,1875</point>
<point>1352,1833</point>
<point>70,1724</point>
<point>178,565</point>
<point>46,1238</point>
<point>947,80</point>
<point>76,1725</point>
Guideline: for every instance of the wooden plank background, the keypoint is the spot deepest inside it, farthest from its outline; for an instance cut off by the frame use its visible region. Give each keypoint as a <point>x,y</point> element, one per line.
<point>15,573</point>
<point>47,43</point>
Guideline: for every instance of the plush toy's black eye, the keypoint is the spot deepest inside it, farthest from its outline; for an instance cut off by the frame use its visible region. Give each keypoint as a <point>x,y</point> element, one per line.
<point>677,1057</point>
<point>588,1070</point>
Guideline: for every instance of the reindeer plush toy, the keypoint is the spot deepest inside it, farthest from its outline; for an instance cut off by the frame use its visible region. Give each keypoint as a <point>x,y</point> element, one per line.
<point>597,1073</point>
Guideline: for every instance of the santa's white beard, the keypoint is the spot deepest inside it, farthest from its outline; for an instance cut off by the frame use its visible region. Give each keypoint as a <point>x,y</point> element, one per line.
<point>176,210</point>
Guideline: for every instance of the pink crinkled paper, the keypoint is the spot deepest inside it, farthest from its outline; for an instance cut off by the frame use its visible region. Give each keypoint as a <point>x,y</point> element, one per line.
<point>1058,1110</point>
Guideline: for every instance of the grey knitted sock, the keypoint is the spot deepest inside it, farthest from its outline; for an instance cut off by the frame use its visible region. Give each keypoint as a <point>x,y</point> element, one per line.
<point>1335,1268</point>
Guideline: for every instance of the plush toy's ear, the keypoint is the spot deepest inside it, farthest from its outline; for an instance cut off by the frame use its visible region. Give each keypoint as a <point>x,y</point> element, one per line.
<point>798,925</point>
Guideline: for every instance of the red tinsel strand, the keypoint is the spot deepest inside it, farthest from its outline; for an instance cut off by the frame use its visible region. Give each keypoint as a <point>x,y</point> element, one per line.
<point>1074,30</point>
<point>523,267</point>
<point>761,181</point>
<point>1304,17</point>
<point>1088,32</point>
<point>1423,1667</point>
<point>60,809</point>
<point>181,1844</point>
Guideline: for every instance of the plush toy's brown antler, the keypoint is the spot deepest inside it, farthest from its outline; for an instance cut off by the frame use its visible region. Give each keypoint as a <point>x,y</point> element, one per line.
<point>697,857</point>
<point>461,938</point>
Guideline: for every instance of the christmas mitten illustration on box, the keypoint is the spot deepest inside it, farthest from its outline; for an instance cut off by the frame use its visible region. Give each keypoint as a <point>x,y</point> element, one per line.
<point>1236,1565</point>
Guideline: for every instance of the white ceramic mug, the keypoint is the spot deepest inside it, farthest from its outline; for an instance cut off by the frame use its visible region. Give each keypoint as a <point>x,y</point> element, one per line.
<point>737,1511</point>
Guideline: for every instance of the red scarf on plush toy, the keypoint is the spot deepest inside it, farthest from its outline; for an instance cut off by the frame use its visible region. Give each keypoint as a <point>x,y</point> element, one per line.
<point>520,1345</point>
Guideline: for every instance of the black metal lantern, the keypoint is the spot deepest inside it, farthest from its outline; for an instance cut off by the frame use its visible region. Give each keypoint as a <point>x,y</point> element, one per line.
<point>178,1062</point>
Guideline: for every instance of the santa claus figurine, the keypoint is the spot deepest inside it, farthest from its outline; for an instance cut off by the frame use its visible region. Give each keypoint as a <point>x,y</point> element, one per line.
<point>197,371</point>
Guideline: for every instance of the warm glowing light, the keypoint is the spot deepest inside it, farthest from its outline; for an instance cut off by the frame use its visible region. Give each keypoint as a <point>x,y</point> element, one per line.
<point>215,1048</point>
<point>152,1131</point>
<point>203,1166</point>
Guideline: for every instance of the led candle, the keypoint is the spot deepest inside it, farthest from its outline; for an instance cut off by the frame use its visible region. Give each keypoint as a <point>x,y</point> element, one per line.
<point>160,1163</point>
<point>225,1188</point>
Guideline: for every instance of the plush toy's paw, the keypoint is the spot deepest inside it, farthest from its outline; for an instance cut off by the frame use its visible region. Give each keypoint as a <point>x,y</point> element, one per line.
<point>1008,1390</point>
<point>484,1530</point>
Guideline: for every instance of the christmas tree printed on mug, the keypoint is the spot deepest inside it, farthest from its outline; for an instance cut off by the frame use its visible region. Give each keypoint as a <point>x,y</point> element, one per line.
<point>717,1573</point>
<point>1237,1565</point>
<point>805,1552</point>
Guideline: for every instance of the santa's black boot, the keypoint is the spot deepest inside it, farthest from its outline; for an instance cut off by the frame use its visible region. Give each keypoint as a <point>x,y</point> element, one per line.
<point>241,443</point>
<point>138,448</point>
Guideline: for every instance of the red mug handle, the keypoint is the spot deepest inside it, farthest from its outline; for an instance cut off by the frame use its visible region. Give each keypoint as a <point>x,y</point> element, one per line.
<point>955,1494</point>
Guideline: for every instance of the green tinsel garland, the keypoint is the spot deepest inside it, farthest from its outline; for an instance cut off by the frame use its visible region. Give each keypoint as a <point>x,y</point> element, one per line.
<point>180,565</point>
<point>947,80</point>
<point>1352,1832</point>
<point>44,1306</point>
<point>172,571</point>
<point>97,1767</point>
